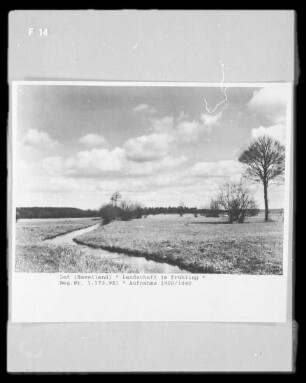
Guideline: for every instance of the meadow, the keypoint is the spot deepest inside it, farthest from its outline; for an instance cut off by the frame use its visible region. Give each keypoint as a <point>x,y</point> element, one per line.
<point>195,244</point>
<point>34,254</point>
<point>198,245</point>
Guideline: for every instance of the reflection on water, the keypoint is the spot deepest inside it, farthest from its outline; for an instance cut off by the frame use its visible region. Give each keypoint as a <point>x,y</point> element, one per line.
<point>139,263</point>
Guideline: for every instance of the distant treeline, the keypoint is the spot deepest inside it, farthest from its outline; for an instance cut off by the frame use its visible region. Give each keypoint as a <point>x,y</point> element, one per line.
<point>69,212</point>
<point>194,210</point>
<point>54,212</point>
<point>174,210</point>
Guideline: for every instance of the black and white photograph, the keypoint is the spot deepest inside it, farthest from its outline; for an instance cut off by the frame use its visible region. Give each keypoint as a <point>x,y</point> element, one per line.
<point>150,178</point>
<point>151,188</point>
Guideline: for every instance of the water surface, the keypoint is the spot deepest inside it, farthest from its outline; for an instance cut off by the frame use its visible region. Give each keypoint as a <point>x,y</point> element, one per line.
<point>139,263</point>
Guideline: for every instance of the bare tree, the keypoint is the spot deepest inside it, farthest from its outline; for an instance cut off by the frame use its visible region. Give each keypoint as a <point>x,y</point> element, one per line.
<point>265,161</point>
<point>236,200</point>
<point>115,198</point>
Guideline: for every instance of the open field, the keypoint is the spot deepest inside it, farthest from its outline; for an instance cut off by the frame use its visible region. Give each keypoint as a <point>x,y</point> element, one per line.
<point>33,254</point>
<point>199,245</point>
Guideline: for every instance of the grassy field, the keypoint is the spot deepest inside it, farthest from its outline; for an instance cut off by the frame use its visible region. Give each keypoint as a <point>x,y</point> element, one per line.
<point>34,255</point>
<point>199,245</point>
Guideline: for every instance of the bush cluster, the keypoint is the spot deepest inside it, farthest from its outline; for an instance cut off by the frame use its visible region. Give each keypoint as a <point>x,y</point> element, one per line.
<point>124,212</point>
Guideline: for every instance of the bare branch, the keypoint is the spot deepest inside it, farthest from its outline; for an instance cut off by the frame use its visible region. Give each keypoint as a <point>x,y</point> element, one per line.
<point>264,162</point>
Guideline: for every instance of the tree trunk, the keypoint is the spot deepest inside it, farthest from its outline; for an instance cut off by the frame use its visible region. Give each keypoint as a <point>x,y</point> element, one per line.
<point>266,202</point>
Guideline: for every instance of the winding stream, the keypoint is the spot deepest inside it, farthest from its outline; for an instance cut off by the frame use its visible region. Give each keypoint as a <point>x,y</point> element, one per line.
<point>140,263</point>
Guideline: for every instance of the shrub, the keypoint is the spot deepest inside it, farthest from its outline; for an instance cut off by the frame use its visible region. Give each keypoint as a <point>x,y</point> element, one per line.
<point>109,213</point>
<point>128,211</point>
<point>236,201</point>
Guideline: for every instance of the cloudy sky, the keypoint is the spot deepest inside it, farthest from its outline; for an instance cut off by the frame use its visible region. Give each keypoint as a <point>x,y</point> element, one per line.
<point>76,145</point>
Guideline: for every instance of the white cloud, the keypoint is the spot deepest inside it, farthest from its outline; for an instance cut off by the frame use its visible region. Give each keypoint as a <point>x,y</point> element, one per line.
<point>182,116</point>
<point>153,167</point>
<point>190,131</point>
<point>210,119</point>
<point>93,140</point>
<point>217,169</point>
<point>270,101</point>
<point>96,161</point>
<point>278,132</point>
<point>163,125</point>
<point>38,139</point>
<point>147,148</point>
<point>148,157</point>
<point>53,165</point>
<point>193,130</point>
<point>185,130</point>
<point>145,108</point>
<point>165,133</point>
<point>173,180</point>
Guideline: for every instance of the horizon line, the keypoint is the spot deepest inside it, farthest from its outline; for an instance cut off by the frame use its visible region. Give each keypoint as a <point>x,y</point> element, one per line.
<point>97,209</point>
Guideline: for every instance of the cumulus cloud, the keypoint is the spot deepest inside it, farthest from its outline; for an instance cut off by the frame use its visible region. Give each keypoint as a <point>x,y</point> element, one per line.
<point>145,108</point>
<point>93,162</point>
<point>173,180</point>
<point>184,129</point>
<point>277,132</point>
<point>166,132</point>
<point>98,162</point>
<point>217,169</point>
<point>53,165</point>
<point>211,119</point>
<point>39,139</point>
<point>190,131</point>
<point>148,147</point>
<point>93,140</point>
<point>270,101</point>
<point>163,125</point>
<point>102,160</point>
<point>153,167</point>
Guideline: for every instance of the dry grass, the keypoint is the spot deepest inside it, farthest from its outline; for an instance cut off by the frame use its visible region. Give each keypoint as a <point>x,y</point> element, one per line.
<point>199,245</point>
<point>34,255</point>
